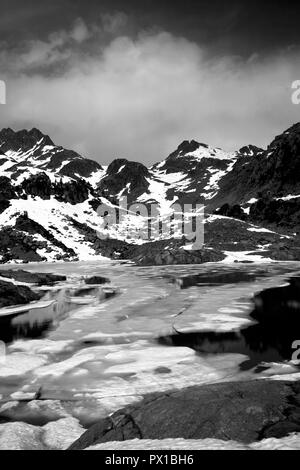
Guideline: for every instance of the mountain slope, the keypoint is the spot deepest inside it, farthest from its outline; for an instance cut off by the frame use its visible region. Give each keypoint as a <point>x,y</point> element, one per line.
<point>49,198</point>
<point>25,153</point>
<point>275,171</point>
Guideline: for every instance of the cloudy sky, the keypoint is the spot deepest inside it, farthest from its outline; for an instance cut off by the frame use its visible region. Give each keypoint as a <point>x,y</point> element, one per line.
<point>133,78</point>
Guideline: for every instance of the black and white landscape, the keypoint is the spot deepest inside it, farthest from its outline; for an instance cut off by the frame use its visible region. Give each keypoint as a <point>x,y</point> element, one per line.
<point>113,335</point>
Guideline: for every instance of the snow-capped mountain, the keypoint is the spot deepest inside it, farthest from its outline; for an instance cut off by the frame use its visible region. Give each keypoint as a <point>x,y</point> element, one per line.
<point>27,153</point>
<point>192,173</point>
<point>49,197</point>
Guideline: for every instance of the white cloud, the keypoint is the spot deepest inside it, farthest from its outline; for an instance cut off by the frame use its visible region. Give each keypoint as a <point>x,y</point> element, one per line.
<point>140,98</point>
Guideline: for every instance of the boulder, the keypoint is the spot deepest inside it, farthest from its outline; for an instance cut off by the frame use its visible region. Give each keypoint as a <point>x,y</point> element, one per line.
<point>240,411</point>
<point>97,280</point>
<point>16,295</point>
<point>15,245</point>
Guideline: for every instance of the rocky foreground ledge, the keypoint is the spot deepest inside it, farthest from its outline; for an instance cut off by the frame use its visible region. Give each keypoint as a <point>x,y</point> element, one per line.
<point>240,411</point>
<point>14,291</point>
<point>259,414</point>
<point>12,294</point>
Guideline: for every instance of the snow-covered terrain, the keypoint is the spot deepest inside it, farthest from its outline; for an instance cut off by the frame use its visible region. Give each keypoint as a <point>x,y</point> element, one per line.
<point>53,202</point>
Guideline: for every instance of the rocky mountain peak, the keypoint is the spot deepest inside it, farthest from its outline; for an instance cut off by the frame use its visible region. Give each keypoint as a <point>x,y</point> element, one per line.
<point>127,167</point>
<point>125,178</point>
<point>250,151</point>
<point>188,146</point>
<point>22,140</point>
<point>290,138</point>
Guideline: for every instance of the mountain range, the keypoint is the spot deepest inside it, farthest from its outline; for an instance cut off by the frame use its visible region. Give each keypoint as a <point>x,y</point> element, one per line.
<point>50,199</point>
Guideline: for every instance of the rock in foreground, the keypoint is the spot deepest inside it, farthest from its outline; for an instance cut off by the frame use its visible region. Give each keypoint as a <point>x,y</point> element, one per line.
<point>240,411</point>
<point>16,295</point>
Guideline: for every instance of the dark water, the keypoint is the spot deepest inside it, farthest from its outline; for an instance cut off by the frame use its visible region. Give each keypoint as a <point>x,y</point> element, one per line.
<point>277,313</point>
<point>35,322</point>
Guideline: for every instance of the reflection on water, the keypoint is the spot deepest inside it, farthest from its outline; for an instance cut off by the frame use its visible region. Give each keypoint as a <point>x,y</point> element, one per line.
<point>35,321</point>
<point>277,311</point>
<point>260,343</point>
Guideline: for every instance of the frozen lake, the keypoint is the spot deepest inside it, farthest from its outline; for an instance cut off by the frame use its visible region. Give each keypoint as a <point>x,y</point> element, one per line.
<point>158,332</point>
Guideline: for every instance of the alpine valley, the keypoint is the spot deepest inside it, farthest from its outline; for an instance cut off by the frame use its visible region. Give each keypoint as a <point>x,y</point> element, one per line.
<point>50,199</point>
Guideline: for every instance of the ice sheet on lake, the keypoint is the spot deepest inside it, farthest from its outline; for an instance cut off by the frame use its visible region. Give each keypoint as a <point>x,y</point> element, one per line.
<point>108,353</point>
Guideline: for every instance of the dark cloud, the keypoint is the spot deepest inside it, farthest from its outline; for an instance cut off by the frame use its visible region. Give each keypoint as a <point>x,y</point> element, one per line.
<point>232,26</point>
<point>134,82</point>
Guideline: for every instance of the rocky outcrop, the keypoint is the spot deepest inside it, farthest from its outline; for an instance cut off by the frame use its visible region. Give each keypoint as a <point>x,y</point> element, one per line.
<point>234,235</point>
<point>21,242</point>
<point>7,192</point>
<point>4,205</point>
<point>235,211</point>
<point>25,224</point>
<point>250,151</point>
<point>157,257</point>
<point>126,177</point>
<point>156,253</point>
<point>279,212</point>
<point>74,192</point>
<point>38,185</point>
<point>14,245</point>
<point>240,411</point>
<point>274,171</point>
<point>22,140</point>
<point>16,295</point>
<point>96,280</point>
<point>41,279</point>
<point>283,252</point>
<point>80,167</point>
